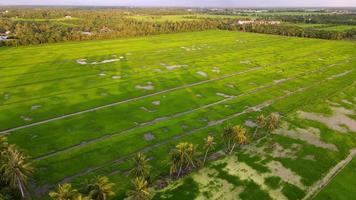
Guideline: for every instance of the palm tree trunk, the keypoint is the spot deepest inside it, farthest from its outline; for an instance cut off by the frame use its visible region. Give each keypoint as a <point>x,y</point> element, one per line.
<point>254,134</point>
<point>21,187</point>
<point>232,149</point>
<point>180,169</point>
<point>206,154</point>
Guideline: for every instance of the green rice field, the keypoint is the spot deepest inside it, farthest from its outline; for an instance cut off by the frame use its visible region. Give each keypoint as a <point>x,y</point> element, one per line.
<point>81,109</point>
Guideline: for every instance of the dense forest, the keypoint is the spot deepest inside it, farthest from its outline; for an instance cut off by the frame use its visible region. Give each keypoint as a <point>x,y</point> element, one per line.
<point>25,26</point>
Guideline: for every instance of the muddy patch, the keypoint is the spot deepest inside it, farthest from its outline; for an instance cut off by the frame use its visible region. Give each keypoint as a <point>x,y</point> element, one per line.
<point>250,123</point>
<point>309,157</point>
<point>339,121</point>
<point>213,187</point>
<point>285,174</point>
<point>279,152</point>
<point>310,136</point>
<point>245,172</point>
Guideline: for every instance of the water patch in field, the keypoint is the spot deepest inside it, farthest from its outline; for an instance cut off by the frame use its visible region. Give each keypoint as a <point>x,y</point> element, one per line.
<point>102,74</point>
<point>148,136</point>
<point>83,61</point>
<point>35,107</point>
<point>156,103</point>
<point>250,123</point>
<point>310,135</point>
<point>201,73</point>
<point>149,86</point>
<point>7,96</point>
<point>172,67</point>
<point>25,118</point>
<point>216,70</point>
<point>245,62</point>
<point>339,121</point>
<point>115,77</point>
<point>105,61</point>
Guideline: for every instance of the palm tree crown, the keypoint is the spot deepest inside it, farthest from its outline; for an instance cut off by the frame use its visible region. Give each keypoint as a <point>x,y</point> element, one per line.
<point>100,188</point>
<point>141,191</point>
<point>16,169</point>
<point>64,192</point>
<point>141,167</point>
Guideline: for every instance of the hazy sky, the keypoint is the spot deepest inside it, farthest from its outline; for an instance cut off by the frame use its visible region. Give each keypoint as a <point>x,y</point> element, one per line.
<point>187,3</point>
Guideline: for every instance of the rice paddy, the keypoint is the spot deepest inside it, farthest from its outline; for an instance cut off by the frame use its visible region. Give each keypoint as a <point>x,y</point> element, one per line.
<point>80,109</point>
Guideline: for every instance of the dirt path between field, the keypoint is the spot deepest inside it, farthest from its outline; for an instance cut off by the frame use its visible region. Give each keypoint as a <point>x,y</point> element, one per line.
<point>165,118</point>
<point>319,185</point>
<point>258,107</point>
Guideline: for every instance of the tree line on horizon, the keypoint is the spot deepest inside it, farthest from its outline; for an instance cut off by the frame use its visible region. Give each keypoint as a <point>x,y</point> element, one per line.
<point>50,25</point>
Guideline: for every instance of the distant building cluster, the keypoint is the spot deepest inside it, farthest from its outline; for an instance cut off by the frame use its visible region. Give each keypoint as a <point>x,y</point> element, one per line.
<point>260,22</point>
<point>4,36</point>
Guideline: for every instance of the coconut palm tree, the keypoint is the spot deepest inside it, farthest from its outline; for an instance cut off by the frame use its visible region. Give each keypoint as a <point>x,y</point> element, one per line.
<point>272,122</point>
<point>141,168</point>
<point>208,145</point>
<point>239,136</point>
<point>64,192</point>
<point>228,136</point>
<point>16,169</point>
<point>100,188</point>
<point>140,191</point>
<point>261,122</point>
<point>187,155</point>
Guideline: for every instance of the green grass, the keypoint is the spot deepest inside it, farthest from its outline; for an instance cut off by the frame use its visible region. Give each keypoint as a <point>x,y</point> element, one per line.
<point>342,186</point>
<point>253,68</point>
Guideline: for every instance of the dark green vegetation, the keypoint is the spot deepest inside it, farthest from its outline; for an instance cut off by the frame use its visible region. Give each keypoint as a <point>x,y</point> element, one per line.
<point>24,26</point>
<point>342,186</point>
<point>85,109</point>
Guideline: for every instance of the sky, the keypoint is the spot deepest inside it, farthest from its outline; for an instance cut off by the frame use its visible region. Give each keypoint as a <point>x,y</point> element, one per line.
<point>190,3</point>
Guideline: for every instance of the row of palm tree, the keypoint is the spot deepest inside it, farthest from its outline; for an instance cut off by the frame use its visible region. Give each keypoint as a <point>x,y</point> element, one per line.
<point>99,188</point>
<point>140,174</point>
<point>15,170</point>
